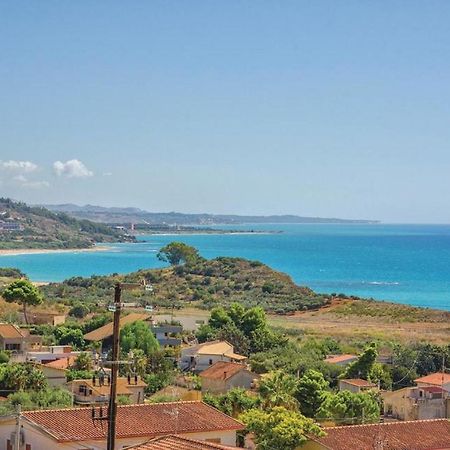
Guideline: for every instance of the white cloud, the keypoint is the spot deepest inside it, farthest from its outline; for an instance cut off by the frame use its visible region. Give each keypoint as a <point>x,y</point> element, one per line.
<point>18,166</point>
<point>73,168</point>
<point>24,182</point>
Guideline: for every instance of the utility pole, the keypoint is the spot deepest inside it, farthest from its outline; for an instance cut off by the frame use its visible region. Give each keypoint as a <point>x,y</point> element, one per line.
<point>111,415</point>
<point>17,436</point>
<point>112,409</point>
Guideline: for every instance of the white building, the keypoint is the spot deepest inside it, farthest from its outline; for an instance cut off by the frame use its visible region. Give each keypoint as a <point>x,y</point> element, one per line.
<point>199,357</point>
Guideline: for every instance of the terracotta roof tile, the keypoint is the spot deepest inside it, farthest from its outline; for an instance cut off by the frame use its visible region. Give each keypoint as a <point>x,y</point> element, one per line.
<point>61,363</point>
<point>222,370</point>
<point>10,331</point>
<point>178,443</point>
<point>336,359</point>
<point>411,435</point>
<point>435,379</point>
<point>107,330</point>
<point>145,420</point>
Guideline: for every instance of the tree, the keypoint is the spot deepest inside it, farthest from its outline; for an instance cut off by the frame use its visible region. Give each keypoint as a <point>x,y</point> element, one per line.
<point>363,366</point>
<point>83,362</point>
<point>219,318</point>
<point>278,389</point>
<point>279,428</point>
<point>311,390</point>
<point>236,337</point>
<point>69,336</point>
<point>24,293</point>
<point>137,335</point>
<point>233,403</point>
<point>79,310</point>
<point>21,377</point>
<point>177,253</point>
<point>46,398</point>
<point>346,407</point>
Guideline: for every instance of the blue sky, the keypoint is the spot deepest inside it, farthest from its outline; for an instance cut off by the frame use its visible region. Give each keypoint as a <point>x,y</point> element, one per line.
<point>318,108</point>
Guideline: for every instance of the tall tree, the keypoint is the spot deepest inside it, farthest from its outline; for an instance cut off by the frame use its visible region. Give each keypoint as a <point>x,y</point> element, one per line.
<point>24,293</point>
<point>177,253</point>
<point>363,366</point>
<point>311,391</point>
<point>137,335</point>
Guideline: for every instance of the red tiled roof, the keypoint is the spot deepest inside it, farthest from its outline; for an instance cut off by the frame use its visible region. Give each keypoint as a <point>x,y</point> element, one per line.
<point>411,435</point>
<point>358,382</point>
<point>335,359</point>
<point>62,363</point>
<point>178,443</point>
<point>222,370</point>
<point>144,420</point>
<point>435,378</point>
<point>9,331</point>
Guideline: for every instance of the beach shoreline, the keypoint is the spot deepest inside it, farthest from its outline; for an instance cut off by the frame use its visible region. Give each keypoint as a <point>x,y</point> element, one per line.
<point>40,251</point>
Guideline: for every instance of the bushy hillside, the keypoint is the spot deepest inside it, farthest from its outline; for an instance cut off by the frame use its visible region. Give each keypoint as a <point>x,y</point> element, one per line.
<point>38,227</point>
<point>206,283</point>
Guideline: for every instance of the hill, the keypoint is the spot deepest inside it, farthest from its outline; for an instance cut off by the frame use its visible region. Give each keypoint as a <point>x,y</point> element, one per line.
<point>135,215</point>
<point>204,284</point>
<point>23,226</point>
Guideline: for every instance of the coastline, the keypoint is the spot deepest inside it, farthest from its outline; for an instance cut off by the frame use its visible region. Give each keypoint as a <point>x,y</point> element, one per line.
<point>40,251</point>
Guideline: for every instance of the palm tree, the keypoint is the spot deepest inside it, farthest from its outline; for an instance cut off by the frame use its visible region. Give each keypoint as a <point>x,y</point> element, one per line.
<point>278,389</point>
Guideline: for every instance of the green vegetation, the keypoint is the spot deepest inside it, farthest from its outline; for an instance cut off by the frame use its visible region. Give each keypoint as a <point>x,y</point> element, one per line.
<point>202,283</point>
<point>41,228</point>
<point>347,408</point>
<point>279,428</point>
<point>23,292</point>
<point>138,336</point>
<point>177,253</point>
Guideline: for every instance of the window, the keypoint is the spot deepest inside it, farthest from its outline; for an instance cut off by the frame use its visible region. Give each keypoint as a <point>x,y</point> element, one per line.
<point>12,347</point>
<point>210,362</point>
<point>28,447</point>
<point>8,445</point>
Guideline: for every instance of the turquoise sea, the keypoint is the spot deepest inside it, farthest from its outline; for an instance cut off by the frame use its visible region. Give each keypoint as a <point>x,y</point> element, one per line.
<point>402,263</point>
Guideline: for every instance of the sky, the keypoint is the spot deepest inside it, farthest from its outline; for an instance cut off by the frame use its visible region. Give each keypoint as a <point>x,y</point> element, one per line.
<point>317,108</point>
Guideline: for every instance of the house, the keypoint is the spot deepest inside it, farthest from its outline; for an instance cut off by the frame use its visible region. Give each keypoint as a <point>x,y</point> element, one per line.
<point>167,335</point>
<point>51,353</point>
<point>223,376</point>
<point>410,435</point>
<point>340,360</point>
<point>74,428</point>
<point>356,385</point>
<point>417,403</point>
<point>18,340</point>
<point>435,379</point>
<point>104,333</point>
<point>96,390</point>
<point>179,443</point>
<point>201,356</point>
<point>44,318</point>
<point>55,371</point>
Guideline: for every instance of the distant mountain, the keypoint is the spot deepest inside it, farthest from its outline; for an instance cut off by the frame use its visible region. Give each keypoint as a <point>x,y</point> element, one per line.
<point>23,226</point>
<point>117,215</point>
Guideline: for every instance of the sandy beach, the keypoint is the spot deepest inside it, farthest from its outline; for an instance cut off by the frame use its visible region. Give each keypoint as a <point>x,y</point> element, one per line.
<point>30,251</point>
